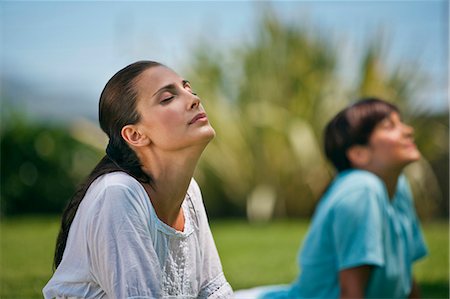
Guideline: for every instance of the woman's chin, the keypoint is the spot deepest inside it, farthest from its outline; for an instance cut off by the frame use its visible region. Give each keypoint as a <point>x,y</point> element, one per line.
<point>208,133</point>
<point>413,158</point>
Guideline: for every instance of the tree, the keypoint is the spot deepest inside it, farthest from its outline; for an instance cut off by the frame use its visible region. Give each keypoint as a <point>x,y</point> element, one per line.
<point>41,166</point>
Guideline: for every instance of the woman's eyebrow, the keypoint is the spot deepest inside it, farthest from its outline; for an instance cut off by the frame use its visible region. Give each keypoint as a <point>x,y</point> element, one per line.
<point>170,86</point>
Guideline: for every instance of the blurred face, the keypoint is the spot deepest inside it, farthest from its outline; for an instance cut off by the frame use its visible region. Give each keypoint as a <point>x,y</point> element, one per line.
<point>171,114</point>
<point>391,145</point>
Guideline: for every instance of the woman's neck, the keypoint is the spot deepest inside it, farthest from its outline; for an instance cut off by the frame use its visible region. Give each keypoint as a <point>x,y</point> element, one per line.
<point>390,179</point>
<point>171,175</point>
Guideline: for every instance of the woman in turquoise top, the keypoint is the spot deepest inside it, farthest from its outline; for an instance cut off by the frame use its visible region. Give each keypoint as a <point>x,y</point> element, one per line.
<point>365,235</point>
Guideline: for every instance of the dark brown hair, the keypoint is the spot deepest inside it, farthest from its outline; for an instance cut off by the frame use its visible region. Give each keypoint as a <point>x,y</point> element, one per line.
<point>353,126</point>
<point>117,108</point>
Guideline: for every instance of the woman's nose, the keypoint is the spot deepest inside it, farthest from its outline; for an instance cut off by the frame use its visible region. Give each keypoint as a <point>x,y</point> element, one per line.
<point>408,130</point>
<point>195,102</point>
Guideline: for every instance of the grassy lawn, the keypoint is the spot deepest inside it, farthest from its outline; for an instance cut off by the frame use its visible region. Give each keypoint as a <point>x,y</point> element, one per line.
<point>252,255</point>
<point>26,251</point>
<point>267,254</point>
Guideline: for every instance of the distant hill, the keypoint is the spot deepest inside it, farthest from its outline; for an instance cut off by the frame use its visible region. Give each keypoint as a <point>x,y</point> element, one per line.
<point>47,104</point>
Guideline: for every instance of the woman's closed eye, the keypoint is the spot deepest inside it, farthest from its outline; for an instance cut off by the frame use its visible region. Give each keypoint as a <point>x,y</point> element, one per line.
<point>166,98</point>
<point>387,124</point>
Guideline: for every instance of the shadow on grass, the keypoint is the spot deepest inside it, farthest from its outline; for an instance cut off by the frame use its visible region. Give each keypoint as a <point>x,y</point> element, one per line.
<point>437,289</point>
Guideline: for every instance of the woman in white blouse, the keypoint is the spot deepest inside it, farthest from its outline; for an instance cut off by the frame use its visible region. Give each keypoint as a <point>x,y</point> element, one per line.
<point>137,227</point>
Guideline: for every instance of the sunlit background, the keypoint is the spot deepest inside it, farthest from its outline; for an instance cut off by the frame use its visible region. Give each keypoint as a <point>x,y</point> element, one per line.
<point>270,74</point>
<point>57,56</point>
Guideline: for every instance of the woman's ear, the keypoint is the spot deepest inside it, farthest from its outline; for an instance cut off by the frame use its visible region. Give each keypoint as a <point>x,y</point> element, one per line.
<point>134,137</point>
<point>359,156</point>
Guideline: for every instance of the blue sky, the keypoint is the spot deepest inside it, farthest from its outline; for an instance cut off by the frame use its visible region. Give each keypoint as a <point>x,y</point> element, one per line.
<point>74,47</point>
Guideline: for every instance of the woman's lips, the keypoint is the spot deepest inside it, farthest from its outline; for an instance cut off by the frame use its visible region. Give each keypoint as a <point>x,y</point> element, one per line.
<point>199,117</point>
<point>410,145</point>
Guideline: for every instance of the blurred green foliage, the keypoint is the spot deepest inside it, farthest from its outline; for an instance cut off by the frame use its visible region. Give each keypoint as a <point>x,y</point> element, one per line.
<point>269,100</point>
<point>41,165</point>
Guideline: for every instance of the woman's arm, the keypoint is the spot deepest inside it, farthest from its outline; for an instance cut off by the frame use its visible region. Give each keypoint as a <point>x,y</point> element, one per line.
<point>123,261</point>
<point>353,281</point>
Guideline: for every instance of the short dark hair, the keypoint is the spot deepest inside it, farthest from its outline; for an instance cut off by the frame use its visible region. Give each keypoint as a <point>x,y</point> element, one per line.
<point>353,126</point>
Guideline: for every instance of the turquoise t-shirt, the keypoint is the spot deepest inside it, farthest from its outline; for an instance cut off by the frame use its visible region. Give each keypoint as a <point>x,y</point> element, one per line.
<point>356,224</point>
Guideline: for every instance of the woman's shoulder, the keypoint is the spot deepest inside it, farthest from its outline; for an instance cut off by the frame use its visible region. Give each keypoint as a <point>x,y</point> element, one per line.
<point>119,186</point>
<point>356,187</point>
<point>119,178</point>
<point>355,192</point>
<point>357,179</point>
<point>115,180</point>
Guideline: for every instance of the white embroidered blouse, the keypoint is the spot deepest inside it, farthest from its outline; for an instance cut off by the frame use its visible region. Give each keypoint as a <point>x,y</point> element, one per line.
<point>118,248</point>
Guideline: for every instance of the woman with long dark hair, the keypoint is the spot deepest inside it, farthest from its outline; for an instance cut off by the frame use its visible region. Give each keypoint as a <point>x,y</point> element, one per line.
<point>364,236</point>
<point>137,227</point>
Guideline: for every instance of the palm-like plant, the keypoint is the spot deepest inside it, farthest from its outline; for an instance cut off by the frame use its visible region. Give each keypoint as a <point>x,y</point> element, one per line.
<point>269,105</point>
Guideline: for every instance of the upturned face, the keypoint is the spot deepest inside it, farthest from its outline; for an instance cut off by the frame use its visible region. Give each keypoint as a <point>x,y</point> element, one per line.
<point>391,144</point>
<point>171,114</point>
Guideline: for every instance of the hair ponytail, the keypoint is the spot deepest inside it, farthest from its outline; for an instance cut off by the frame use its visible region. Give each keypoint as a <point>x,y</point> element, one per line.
<point>103,167</point>
<point>117,108</point>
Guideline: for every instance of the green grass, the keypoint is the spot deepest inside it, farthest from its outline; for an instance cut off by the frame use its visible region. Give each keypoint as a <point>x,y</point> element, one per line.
<point>27,246</point>
<point>252,255</point>
<point>267,254</point>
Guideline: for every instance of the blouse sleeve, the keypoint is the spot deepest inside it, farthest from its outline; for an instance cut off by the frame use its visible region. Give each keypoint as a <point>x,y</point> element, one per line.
<point>123,261</point>
<point>357,233</point>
